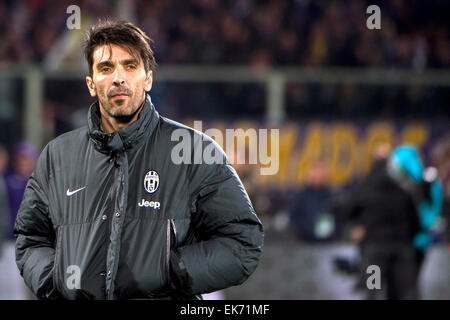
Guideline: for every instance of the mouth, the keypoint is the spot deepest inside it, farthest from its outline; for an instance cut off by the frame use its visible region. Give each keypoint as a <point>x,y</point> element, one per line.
<point>119,96</point>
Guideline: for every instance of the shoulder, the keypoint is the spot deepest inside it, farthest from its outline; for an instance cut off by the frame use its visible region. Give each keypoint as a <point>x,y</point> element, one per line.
<point>72,138</point>
<point>170,126</point>
<point>204,156</point>
<point>69,143</point>
<point>173,132</point>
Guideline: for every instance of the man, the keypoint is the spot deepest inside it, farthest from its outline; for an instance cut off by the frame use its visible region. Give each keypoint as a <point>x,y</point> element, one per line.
<point>389,223</point>
<point>108,215</point>
<point>310,212</point>
<point>25,155</point>
<point>4,206</point>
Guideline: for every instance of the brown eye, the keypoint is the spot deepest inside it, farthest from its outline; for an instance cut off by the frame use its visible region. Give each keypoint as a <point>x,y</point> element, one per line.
<point>131,67</point>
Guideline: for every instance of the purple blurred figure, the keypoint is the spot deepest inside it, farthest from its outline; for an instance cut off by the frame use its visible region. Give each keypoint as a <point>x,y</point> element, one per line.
<point>25,155</point>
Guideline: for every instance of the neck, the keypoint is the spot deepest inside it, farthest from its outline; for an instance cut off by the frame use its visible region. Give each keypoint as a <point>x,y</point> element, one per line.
<point>111,124</point>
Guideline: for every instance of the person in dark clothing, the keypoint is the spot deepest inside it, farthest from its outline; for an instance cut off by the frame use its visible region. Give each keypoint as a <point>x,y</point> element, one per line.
<point>386,223</point>
<point>25,155</point>
<point>310,213</point>
<point>111,213</point>
<point>4,207</point>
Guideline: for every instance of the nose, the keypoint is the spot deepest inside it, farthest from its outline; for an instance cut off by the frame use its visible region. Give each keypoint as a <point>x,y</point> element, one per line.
<point>119,78</point>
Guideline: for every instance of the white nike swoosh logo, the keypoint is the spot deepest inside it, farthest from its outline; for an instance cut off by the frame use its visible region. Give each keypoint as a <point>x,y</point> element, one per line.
<point>69,193</point>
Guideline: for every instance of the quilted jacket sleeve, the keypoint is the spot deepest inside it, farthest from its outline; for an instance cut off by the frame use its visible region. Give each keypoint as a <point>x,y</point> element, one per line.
<point>34,233</point>
<point>228,232</point>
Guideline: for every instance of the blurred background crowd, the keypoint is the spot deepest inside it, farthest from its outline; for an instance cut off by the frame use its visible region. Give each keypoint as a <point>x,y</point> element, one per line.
<point>304,218</point>
<point>256,32</point>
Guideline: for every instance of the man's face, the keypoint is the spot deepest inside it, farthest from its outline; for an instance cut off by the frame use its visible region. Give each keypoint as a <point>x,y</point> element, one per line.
<point>24,164</point>
<point>317,175</point>
<point>119,81</point>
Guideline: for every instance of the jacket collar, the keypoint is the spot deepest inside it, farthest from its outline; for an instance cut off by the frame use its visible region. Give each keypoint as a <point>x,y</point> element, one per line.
<point>124,139</point>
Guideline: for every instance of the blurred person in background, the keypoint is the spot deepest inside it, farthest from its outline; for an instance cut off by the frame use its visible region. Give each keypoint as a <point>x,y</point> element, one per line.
<point>310,212</point>
<point>392,210</point>
<point>425,186</point>
<point>11,284</point>
<point>24,159</point>
<point>379,157</point>
<point>4,207</point>
<point>441,159</point>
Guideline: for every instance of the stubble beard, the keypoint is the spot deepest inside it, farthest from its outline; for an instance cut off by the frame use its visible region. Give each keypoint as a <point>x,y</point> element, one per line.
<point>118,111</point>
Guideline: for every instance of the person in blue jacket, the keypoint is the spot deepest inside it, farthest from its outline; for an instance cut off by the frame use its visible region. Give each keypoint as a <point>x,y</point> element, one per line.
<point>396,208</point>
<point>406,168</point>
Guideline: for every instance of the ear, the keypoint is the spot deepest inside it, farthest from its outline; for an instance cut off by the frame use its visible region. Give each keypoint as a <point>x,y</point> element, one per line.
<point>91,86</point>
<point>148,81</point>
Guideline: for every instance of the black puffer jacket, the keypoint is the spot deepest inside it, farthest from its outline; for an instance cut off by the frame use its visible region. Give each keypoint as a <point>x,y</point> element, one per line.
<point>110,216</point>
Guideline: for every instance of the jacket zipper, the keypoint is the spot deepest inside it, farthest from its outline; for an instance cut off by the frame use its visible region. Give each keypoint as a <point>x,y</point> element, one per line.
<point>56,258</point>
<point>168,252</point>
<point>170,227</point>
<point>172,222</point>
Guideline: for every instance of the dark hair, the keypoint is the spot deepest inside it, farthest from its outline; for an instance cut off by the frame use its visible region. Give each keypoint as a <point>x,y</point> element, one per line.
<point>121,33</point>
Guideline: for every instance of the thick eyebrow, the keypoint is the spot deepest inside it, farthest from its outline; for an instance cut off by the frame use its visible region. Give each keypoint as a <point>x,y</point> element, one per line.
<point>104,64</point>
<point>129,61</point>
<point>108,63</point>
